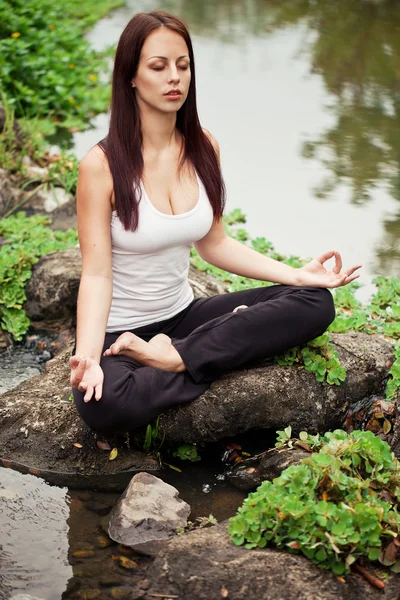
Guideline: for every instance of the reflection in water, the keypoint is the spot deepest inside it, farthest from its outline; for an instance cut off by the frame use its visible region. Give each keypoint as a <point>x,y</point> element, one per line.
<point>303,97</point>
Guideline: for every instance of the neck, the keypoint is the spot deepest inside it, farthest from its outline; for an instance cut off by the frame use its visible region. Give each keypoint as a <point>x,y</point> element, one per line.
<point>158,129</point>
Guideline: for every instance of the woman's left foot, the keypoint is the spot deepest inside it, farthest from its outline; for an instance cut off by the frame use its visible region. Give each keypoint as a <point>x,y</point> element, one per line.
<point>158,352</point>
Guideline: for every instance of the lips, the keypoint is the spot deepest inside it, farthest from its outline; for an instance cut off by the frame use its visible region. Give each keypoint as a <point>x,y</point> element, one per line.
<point>173,93</point>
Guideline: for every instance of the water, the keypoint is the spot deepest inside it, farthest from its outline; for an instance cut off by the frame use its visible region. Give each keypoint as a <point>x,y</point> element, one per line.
<point>42,527</point>
<point>304,101</point>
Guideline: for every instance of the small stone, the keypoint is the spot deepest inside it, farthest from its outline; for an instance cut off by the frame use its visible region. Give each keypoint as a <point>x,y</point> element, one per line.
<point>148,514</point>
<point>120,593</point>
<point>126,563</point>
<point>83,553</point>
<point>103,541</point>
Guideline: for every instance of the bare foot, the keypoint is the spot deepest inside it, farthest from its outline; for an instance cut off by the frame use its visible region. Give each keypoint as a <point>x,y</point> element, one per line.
<point>158,352</point>
<point>240,307</point>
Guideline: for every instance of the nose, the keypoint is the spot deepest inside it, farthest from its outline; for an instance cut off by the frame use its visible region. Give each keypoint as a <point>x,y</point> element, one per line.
<point>173,74</point>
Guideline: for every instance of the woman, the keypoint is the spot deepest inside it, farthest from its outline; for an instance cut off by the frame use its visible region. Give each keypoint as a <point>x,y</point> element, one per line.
<point>145,194</point>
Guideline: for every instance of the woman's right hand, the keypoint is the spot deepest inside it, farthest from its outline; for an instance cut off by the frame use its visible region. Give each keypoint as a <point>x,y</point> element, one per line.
<point>87,376</point>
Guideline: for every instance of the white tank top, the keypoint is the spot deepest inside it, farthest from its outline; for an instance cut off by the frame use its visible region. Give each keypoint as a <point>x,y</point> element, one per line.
<point>151,265</point>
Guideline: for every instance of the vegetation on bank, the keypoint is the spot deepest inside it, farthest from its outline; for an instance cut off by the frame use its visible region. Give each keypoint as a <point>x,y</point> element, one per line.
<point>47,69</point>
<point>339,504</point>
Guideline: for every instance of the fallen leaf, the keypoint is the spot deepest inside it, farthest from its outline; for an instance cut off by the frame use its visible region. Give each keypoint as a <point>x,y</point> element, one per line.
<point>341,579</point>
<point>294,545</point>
<point>113,454</point>
<point>387,426</point>
<point>78,445</point>
<point>103,445</point>
<point>325,496</point>
<point>250,470</point>
<point>246,454</point>
<point>303,445</point>
<point>378,415</point>
<point>224,592</point>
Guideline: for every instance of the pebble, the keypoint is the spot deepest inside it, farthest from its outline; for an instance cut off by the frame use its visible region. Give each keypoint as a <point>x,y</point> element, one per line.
<point>83,553</point>
<point>103,541</point>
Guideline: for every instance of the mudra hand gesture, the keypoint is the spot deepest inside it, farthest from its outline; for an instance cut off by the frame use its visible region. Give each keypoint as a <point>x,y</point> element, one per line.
<point>314,273</point>
<point>87,376</point>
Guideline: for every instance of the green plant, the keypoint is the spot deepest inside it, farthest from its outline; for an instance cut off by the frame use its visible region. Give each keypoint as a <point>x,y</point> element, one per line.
<point>26,240</point>
<point>337,505</point>
<point>47,67</point>
<point>153,440</point>
<point>318,357</point>
<point>393,385</point>
<point>187,452</point>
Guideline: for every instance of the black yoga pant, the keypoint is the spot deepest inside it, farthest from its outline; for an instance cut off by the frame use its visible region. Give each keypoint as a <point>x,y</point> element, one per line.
<point>211,340</point>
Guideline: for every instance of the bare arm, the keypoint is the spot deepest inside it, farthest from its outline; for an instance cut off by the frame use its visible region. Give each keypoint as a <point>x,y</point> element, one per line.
<point>94,214</point>
<point>94,192</point>
<point>224,252</point>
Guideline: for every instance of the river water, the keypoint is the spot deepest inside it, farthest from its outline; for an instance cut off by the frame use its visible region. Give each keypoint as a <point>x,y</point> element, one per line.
<point>304,99</point>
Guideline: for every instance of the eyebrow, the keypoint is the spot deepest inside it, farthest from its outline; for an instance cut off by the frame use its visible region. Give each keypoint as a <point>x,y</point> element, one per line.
<point>165,58</point>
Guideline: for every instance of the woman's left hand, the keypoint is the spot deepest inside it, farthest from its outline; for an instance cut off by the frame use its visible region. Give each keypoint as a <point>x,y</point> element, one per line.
<point>314,274</point>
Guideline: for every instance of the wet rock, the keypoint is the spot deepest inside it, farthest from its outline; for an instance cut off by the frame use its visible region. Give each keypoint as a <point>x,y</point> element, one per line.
<point>88,594</point>
<point>24,597</point>
<point>39,426</point>
<point>148,513</point>
<point>201,563</point>
<point>271,396</point>
<point>244,478</point>
<point>274,462</point>
<point>53,288</point>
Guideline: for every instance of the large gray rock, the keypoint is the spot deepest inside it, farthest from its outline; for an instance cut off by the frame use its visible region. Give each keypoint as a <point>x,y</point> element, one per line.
<point>53,289</point>
<point>39,426</point>
<point>272,397</point>
<point>148,513</point>
<point>205,564</point>
<point>39,423</point>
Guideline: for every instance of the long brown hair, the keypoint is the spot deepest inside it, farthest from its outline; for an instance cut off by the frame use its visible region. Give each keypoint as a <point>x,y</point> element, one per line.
<point>123,144</point>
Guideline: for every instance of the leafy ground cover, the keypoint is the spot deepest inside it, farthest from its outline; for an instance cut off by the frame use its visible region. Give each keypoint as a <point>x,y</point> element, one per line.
<point>338,505</point>
<point>27,239</point>
<point>47,68</point>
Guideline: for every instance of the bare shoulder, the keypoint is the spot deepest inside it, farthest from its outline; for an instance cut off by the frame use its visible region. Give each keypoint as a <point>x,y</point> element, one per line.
<point>212,140</point>
<point>95,161</point>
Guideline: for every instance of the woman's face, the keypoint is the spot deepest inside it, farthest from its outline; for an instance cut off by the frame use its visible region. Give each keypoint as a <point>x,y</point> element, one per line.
<point>163,76</point>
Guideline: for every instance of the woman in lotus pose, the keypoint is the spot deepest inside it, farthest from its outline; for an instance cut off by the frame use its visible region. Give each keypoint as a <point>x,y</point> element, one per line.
<point>146,193</point>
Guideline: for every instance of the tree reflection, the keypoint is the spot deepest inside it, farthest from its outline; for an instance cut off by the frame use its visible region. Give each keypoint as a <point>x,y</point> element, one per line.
<point>356,49</point>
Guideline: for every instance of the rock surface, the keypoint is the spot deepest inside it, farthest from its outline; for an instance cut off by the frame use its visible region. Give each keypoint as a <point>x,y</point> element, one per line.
<point>148,513</point>
<point>53,289</point>
<point>273,396</point>
<point>39,423</point>
<point>39,427</point>
<point>205,564</point>
<point>271,465</point>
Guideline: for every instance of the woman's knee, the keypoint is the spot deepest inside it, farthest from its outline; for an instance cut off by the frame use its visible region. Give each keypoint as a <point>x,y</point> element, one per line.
<point>323,310</point>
